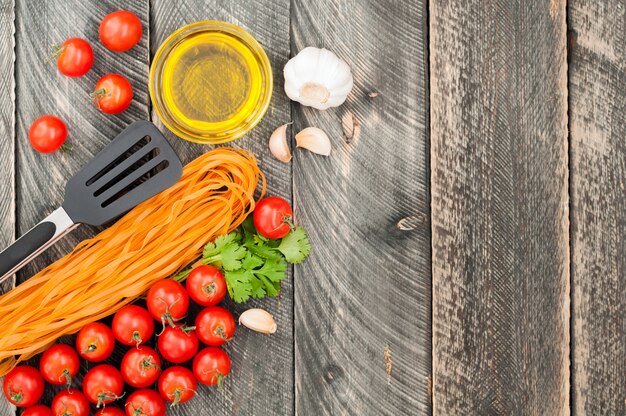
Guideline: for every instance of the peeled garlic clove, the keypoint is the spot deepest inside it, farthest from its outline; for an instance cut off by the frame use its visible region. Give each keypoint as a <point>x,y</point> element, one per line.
<point>318,78</point>
<point>278,144</point>
<point>258,320</point>
<point>315,140</point>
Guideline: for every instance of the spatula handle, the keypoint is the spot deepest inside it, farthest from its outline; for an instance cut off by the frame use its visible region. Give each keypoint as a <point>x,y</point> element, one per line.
<point>35,241</point>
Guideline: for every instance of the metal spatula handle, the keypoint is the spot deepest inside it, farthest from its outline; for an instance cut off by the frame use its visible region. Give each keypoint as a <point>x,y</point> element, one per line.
<point>35,241</point>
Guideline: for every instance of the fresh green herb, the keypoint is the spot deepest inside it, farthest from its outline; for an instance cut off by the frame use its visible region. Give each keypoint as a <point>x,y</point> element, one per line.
<point>253,265</point>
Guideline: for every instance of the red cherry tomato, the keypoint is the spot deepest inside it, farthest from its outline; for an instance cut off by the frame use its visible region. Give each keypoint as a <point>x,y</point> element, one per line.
<point>141,366</point>
<point>103,384</point>
<point>211,365</point>
<point>38,410</point>
<point>110,411</point>
<point>70,402</point>
<point>145,402</point>
<point>47,134</point>
<point>273,217</point>
<point>113,94</point>
<point>120,31</point>
<point>95,342</point>
<point>215,326</point>
<point>132,325</point>
<point>23,386</point>
<point>75,57</point>
<point>167,301</point>
<point>178,344</point>
<point>206,285</point>
<point>177,385</point>
<point>59,364</point>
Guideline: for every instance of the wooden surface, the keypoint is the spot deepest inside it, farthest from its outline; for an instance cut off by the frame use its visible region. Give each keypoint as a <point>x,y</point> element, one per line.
<point>598,174</point>
<point>463,109</point>
<point>498,80</point>
<point>367,285</point>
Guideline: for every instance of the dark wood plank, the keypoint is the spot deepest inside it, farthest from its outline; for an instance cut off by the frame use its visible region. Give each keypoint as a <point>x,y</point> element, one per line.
<point>7,141</point>
<point>598,171</point>
<point>261,381</point>
<point>499,207</point>
<point>41,89</point>
<point>364,294</point>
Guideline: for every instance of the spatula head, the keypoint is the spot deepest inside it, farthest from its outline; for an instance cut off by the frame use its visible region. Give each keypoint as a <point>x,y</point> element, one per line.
<point>138,164</point>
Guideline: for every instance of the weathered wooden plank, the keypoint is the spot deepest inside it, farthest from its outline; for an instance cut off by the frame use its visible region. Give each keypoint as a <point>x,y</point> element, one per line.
<point>598,168</point>
<point>499,207</point>
<point>42,90</point>
<point>7,140</point>
<point>365,291</point>
<point>262,376</point>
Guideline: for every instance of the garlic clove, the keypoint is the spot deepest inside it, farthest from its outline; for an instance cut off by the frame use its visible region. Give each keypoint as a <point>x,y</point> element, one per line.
<point>315,140</point>
<point>278,144</point>
<point>318,78</point>
<point>258,320</point>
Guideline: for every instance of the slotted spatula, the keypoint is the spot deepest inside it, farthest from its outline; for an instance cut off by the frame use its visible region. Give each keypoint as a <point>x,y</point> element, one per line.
<point>138,164</point>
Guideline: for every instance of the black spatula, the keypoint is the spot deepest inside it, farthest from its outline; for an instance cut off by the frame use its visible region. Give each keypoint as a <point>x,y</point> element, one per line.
<point>136,165</point>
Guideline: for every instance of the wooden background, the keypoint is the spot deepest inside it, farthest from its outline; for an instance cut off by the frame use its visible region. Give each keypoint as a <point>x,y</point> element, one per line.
<point>472,238</point>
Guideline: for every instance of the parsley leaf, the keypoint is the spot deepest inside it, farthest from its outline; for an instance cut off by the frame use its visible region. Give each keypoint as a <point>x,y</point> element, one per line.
<point>295,246</point>
<point>239,285</point>
<point>226,251</point>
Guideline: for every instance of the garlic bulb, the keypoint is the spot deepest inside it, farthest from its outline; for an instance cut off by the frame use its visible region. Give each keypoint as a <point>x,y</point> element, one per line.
<point>258,320</point>
<point>317,78</point>
<point>315,140</point>
<point>278,144</point>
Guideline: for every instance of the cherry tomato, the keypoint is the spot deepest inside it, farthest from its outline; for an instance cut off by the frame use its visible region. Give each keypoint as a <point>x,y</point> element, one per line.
<point>167,301</point>
<point>70,402</point>
<point>120,31</point>
<point>177,385</point>
<point>132,325</point>
<point>141,366</point>
<point>37,410</point>
<point>215,326</point>
<point>23,386</point>
<point>178,344</point>
<point>59,364</point>
<point>113,94</point>
<point>272,217</point>
<point>211,365</point>
<point>110,411</point>
<point>47,134</point>
<point>75,57</point>
<point>95,342</point>
<point>103,384</point>
<point>206,285</point>
<point>145,402</point>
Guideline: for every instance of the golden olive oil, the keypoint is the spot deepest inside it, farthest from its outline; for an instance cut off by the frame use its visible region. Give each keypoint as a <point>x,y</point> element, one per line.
<point>211,81</point>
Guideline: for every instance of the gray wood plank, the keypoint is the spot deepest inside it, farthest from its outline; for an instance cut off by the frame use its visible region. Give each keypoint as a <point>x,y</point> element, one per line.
<point>261,382</point>
<point>7,141</point>
<point>499,207</point>
<point>364,294</point>
<point>598,168</point>
<point>41,89</point>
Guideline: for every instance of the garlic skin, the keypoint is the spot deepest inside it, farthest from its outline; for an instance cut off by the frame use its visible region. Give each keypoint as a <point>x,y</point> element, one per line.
<point>278,144</point>
<point>318,78</point>
<point>315,140</point>
<point>258,320</point>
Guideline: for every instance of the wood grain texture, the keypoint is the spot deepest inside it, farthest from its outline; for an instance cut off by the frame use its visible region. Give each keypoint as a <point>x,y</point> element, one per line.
<point>362,299</point>
<point>499,171</point>
<point>261,381</point>
<point>7,142</point>
<point>598,212</point>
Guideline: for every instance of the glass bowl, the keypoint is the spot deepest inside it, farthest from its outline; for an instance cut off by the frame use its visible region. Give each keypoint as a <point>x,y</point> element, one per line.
<point>210,82</point>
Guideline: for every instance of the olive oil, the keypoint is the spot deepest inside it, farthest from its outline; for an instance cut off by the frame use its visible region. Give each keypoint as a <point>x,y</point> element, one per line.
<point>211,81</point>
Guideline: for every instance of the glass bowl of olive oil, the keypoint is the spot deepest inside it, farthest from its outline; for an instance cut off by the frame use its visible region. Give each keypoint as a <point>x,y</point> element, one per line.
<point>210,82</point>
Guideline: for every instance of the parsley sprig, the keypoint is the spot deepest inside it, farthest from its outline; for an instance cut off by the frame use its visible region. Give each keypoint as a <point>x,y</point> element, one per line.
<point>254,266</point>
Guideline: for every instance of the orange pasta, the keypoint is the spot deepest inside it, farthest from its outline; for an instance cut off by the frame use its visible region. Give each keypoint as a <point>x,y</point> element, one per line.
<point>151,242</point>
